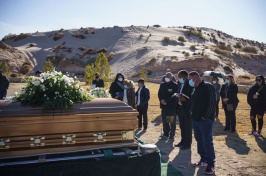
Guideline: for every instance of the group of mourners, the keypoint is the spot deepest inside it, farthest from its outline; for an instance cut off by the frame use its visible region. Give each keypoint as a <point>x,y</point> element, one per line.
<point>196,105</point>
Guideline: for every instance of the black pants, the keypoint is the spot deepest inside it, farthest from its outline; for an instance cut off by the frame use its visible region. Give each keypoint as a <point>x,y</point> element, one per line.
<point>230,118</point>
<point>217,108</point>
<point>185,124</point>
<point>168,128</point>
<point>254,113</point>
<point>143,115</point>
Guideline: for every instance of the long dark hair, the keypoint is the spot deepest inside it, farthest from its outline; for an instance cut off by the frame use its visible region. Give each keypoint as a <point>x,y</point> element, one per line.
<point>117,75</point>
<point>262,79</point>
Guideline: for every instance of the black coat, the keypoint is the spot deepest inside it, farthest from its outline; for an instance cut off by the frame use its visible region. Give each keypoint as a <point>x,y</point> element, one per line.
<point>4,82</point>
<point>166,91</point>
<point>203,101</point>
<point>115,87</point>
<point>144,96</point>
<point>258,105</point>
<point>231,94</point>
<point>99,83</point>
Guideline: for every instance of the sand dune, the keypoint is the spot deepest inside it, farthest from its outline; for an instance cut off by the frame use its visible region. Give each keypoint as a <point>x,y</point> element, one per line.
<point>134,47</point>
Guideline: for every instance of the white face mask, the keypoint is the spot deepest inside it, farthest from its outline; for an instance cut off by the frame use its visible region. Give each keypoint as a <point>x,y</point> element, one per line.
<point>167,80</point>
<point>227,81</point>
<point>214,82</point>
<point>120,79</point>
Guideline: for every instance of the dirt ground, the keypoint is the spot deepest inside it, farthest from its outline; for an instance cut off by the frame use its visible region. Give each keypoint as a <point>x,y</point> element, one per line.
<point>237,154</point>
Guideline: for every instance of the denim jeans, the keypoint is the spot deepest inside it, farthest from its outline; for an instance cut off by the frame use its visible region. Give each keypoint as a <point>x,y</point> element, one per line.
<point>203,136</point>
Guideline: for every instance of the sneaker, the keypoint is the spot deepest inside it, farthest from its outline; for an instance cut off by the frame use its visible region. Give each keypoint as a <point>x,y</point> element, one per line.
<point>164,137</point>
<point>253,132</point>
<point>200,164</point>
<point>209,171</point>
<point>259,133</point>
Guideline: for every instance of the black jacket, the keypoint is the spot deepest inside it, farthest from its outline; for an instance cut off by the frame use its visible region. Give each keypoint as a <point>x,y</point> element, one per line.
<point>231,94</point>
<point>99,83</point>
<point>260,103</point>
<point>166,91</point>
<point>4,82</point>
<point>203,100</point>
<point>144,96</point>
<point>187,90</point>
<point>115,87</point>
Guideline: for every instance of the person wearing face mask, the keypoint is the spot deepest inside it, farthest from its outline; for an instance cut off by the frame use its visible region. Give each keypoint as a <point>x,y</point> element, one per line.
<point>4,84</point>
<point>142,101</point>
<point>98,82</point>
<point>230,101</point>
<point>203,101</point>
<point>217,87</point>
<point>256,100</point>
<point>163,78</point>
<point>184,106</point>
<point>129,91</point>
<point>168,104</point>
<point>117,87</point>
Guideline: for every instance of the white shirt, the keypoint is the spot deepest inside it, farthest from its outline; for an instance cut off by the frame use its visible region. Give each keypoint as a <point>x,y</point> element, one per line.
<point>138,103</point>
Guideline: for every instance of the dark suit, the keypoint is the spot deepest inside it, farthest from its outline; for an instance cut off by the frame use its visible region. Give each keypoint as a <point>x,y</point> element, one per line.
<point>183,112</point>
<point>230,92</point>
<point>166,91</point>
<point>142,107</point>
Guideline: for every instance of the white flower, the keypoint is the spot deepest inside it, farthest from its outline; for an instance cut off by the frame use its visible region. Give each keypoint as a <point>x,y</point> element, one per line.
<point>76,86</point>
<point>44,95</point>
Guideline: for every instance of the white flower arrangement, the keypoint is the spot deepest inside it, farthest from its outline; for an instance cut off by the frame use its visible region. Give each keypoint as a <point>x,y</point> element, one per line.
<point>52,90</point>
<point>99,93</point>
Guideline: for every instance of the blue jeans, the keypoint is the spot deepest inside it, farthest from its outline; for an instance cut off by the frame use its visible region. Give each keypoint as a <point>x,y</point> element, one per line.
<point>3,94</point>
<point>203,136</point>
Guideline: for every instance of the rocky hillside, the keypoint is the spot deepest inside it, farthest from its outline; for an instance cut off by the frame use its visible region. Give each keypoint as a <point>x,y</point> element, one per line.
<point>153,48</point>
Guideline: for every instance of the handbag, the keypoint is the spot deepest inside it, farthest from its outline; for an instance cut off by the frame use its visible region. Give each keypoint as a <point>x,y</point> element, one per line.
<point>229,107</point>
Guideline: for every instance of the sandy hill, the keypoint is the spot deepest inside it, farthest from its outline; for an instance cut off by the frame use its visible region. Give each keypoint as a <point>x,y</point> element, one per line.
<point>153,48</point>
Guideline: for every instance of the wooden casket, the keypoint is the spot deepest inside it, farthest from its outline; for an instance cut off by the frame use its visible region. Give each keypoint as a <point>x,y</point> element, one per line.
<point>98,124</point>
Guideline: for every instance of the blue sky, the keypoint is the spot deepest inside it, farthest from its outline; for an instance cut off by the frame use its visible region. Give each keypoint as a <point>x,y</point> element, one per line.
<point>240,18</point>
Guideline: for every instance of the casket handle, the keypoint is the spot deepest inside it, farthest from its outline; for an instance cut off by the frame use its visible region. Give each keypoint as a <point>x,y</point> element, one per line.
<point>99,137</point>
<point>127,135</point>
<point>37,141</point>
<point>3,143</point>
<point>69,139</point>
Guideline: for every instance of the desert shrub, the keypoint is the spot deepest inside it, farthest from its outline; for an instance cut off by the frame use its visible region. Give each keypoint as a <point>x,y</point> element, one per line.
<point>149,72</point>
<point>174,58</point>
<point>244,76</point>
<point>92,32</point>
<point>192,47</point>
<point>82,48</point>
<point>187,54</point>
<point>228,68</point>
<point>79,36</point>
<point>111,56</point>
<point>238,45</point>
<point>250,49</point>
<point>152,60</point>
<point>220,51</point>
<point>21,36</point>
<point>9,37</point>
<point>26,68</point>
<point>197,33</point>
<point>181,39</point>
<point>69,50</point>
<point>135,74</point>
<point>194,54</point>
<point>157,25</point>
<point>31,45</point>
<point>183,52</point>
<point>222,46</point>
<point>58,36</point>
<point>13,75</point>
<point>166,39</point>
<point>102,50</point>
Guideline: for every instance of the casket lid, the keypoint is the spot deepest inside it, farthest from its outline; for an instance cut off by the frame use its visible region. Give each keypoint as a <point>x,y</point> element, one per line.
<point>97,105</point>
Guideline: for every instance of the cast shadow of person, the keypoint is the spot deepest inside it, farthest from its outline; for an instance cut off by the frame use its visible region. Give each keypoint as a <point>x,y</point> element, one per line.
<point>261,143</point>
<point>233,141</point>
<point>158,120</point>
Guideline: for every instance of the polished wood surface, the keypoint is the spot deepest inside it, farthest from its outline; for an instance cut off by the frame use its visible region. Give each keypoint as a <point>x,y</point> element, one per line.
<point>31,130</point>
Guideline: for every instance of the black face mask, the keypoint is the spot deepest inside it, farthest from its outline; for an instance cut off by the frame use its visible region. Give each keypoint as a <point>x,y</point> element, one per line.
<point>97,77</point>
